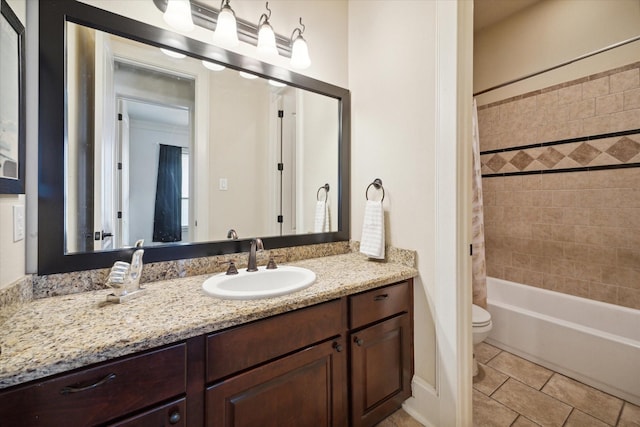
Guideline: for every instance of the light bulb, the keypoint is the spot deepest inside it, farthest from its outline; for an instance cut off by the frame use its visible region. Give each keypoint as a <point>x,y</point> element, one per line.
<point>178,15</point>
<point>226,33</point>
<point>300,54</point>
<point>267,41</point>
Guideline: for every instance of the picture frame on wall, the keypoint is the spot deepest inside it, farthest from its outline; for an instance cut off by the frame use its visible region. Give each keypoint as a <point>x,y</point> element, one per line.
<point>12,107</point>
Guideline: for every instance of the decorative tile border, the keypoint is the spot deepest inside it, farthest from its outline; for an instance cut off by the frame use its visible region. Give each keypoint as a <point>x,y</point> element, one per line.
<point>606,151</point>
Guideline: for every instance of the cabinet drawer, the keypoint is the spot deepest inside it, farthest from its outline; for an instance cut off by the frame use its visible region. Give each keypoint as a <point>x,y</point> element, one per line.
<point>377,304</point>
<point>98,394</point>
<point>169,414</point>
<point>240,348</point>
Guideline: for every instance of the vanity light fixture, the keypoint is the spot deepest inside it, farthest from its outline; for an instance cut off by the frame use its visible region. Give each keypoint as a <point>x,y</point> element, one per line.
<point>229,30</point>
<point>173,54</point>
<point>299,50</point>
<point>213,66</point>
<point>226,33</point>
<point>178,15</point>
<point>266,36</point>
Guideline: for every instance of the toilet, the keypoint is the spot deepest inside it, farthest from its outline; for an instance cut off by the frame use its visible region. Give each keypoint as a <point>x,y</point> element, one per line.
<point>481,321</point>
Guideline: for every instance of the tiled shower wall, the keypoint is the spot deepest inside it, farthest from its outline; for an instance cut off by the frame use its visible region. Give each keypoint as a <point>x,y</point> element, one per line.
<point>561,178</point>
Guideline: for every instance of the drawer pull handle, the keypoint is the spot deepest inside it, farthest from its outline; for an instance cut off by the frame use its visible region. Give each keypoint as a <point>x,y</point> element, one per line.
<point>358,341</point>
<point>174,418</point>
<point>337,346</point>
<point>71,389</point>
<point>381,297</point>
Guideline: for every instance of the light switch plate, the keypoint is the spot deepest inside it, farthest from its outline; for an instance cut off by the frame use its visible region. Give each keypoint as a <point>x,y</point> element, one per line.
<point>18,223</point>
<point>223,185</point>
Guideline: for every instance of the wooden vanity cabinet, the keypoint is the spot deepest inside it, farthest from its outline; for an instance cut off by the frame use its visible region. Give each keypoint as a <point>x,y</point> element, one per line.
<point>343,362</point>
<point>381,352</point>
<point>288,370</point>
<point>294,370</point>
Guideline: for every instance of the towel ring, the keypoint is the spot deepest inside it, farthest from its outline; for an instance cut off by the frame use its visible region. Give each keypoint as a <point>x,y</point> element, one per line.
<point>326,192</point>
<point>377,184</point>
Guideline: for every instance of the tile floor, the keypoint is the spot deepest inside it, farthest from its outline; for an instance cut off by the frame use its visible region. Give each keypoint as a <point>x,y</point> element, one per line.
<point>399,419</point>
<point>512,392</point>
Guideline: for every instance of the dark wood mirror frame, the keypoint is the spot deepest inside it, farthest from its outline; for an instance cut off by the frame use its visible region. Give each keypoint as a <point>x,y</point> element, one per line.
<point>51,171</point>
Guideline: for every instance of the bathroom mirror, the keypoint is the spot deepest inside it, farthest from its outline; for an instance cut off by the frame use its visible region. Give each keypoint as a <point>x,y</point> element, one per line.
<point>120,120</point>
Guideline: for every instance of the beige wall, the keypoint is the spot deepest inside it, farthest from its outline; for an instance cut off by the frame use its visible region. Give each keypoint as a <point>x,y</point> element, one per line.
<point>12,254</point>
<point>549,33</point>
<point>404,88</point>
<point>572,232</point>
<point>235,155</point>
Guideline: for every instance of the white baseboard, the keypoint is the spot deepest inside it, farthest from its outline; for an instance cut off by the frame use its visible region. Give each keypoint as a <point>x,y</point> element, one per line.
<point>424,405</point>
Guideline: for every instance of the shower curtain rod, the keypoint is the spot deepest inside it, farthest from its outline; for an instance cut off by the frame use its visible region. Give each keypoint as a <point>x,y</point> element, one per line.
<point>587,55</point>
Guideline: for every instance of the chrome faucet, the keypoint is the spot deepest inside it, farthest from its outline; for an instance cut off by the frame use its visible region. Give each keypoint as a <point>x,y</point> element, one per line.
<point>256,245</point>
<point>231,234</point>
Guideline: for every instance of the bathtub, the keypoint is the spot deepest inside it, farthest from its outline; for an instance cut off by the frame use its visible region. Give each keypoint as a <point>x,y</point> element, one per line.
<point>593,342</point>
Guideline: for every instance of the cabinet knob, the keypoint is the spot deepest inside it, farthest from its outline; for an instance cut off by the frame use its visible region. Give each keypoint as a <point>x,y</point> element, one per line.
<point>358,341</point>
<point>174,418</point>
<point>337,346</point>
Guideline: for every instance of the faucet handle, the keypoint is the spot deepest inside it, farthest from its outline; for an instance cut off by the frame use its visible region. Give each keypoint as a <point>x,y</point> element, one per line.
<point>271,265</point>
<point>231,270</point>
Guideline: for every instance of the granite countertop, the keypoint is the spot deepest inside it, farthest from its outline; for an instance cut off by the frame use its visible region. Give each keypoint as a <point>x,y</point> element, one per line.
<point>57,334</point>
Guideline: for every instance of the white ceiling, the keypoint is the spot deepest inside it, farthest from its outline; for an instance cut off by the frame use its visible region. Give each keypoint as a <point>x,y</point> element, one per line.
<point>156,113</point>
<point>489,12</point>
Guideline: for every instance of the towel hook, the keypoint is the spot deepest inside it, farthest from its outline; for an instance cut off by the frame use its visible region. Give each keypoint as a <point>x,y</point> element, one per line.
<point>326,192</point>
<point>377,184</point>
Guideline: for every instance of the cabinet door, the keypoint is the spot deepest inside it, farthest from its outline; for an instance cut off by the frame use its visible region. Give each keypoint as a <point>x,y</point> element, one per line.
<point>306,388</point>
<point>381,369</point>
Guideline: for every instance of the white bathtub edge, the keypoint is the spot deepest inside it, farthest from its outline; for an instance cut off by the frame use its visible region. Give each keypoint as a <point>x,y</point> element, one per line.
<point>592,356</point>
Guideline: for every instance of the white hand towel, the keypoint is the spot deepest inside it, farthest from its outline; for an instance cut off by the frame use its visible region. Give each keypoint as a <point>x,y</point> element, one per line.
<point>321,218</point>
<point>327,218</point>
<point>372,241</point>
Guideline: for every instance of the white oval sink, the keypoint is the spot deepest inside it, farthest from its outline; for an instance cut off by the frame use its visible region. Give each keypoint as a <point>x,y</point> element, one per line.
<point>259,284</point>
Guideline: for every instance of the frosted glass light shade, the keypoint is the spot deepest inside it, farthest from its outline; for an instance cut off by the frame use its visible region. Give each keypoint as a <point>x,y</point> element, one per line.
<point>178,15</point>
<point>173,54</point>
<point>300,54</point>
<point>213,66</point>
<point>248,76</point>
<point>275,83</point>
<point>226,33</point>
<point>267,41</point>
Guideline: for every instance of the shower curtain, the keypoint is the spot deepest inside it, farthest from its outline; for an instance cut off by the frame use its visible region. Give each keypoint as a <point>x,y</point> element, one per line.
<point>479,266</point>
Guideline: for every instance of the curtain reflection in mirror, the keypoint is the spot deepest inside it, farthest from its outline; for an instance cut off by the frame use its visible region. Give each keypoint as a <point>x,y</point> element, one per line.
<point>167,219</point>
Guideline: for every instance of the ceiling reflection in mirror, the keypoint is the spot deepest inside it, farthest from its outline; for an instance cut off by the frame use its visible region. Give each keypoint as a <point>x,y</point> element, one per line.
<point>177,150</point>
